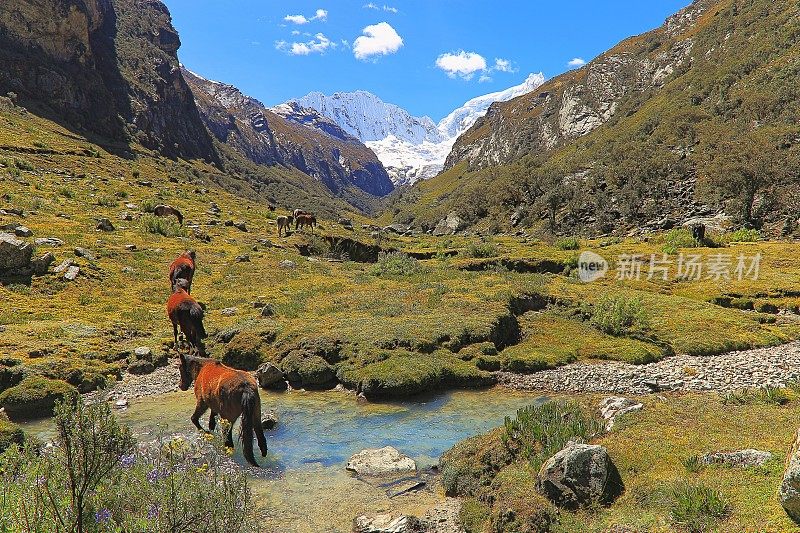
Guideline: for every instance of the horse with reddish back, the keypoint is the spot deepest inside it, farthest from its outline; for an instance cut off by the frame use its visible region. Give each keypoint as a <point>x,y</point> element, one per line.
<point>186,313</point>
<point>228,393</point>
<point>183,268</point>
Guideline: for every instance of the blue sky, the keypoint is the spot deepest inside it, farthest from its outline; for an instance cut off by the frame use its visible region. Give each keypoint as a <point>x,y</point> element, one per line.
<point>428,56</point>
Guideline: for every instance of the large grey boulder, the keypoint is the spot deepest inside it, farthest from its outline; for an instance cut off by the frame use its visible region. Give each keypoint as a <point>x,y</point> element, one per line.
<point>386,523</point>
<point>741,458</point>
<point>380,462</point>
<point>270,377</point>
<point>43,263</point>
<point>15,255</point>
<point>449,225</point>
<point>580,475</point>
<point>789,491</point>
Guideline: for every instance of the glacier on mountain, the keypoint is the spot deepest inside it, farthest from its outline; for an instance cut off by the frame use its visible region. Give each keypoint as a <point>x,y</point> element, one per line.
<point>411,148</point>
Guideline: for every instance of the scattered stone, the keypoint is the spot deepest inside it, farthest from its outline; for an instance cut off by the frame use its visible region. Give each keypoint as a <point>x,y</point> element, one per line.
<point>72,273</point>
<point>121,404</point>
<point>742,458</point>
<point>267,311</point>
<point>144,183</point>
<point>142,351</point>
<point>105,224</point>
<point>227,335</point>
<point>238,224</point>
<point>271,377</point>
<point>65,264</point>
<point>346,223</point>
<point>386,523</point>
<point>131,247</point>
<point>86,254</point>
<point>286,263</point>
<point>615,406</point>
<point>22,231</point>
<point>127,270</point>
<point>14,253</point>
<point>242,258</point>
<point>48,241</point>
<point>789,491</point>
<point>449,225</point>
<point>400,229</point>
<point>380,462</point>
<point>229,311</point>
<point>141,367</point>
<point>127,217</point>
<point>580,475</point>
<point>41,264</point>
<point>269,421</point>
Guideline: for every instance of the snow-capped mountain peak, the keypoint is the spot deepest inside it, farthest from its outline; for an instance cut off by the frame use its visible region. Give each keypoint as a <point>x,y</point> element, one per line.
<point>411,148</point>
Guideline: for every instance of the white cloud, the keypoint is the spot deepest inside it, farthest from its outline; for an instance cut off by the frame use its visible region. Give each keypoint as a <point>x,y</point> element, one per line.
<point>371,6</point>
<point>484,78</point>
<point>390,9</point>
<point>462,64</point>
<point>378,39</point>
<point>295,32</point>
<point>376,7</point>
<point>318,45</point>
<point>320,14</point>
<point>576,62</point>
<point>504,65</point>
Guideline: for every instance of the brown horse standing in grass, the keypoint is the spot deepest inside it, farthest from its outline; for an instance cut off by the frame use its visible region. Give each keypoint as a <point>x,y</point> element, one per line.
<point>305,220</point>
<point>184,311</point>
<point>162,210</point>
<point>183,268</point>
<point>229,393</point>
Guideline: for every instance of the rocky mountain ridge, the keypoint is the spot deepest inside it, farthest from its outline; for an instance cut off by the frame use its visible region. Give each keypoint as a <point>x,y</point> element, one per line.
<point>291,136</point>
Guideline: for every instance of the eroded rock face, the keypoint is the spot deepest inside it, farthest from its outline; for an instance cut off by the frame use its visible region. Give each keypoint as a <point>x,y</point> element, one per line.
<point>386,523</point>
<point>580,475</point>
<point>380,462</point>
<point>740,458</point>
<point>104,59</point>
<point>15,255</point>
<point>615,406</point>
<point>449,225</point>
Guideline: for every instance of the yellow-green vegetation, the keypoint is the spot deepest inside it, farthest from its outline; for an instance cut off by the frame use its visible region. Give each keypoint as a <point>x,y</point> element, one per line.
<point>425,312</point>
<point>656,451</point>
<point>36,396</point>
<point>10,433</point>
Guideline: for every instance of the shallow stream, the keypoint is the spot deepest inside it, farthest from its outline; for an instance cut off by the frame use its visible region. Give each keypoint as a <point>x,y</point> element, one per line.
<point>304,487</point>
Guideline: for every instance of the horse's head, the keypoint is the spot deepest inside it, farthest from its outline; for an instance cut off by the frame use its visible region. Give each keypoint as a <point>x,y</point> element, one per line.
<point>186,373</point>
<point>192,254</point>
<point>181,285</point>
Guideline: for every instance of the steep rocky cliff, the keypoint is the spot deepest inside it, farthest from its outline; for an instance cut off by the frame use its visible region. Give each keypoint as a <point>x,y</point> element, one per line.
<point>107,67</point>
<point>289,135</point>
<point>577,102</point>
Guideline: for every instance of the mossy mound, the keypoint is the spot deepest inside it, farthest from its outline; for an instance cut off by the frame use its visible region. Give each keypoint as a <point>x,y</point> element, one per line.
<point>399,373</point>
<point>10,433</point>
<point>248,350</point>
<point>11,375</point>
<point>85,374</point>
<point>468,353</point>
<point>35,397</point>
<point>308,371</point>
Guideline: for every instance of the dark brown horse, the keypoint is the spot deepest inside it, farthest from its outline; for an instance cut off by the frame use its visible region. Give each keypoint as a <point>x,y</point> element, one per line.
<point>186,313</point>
<point>162,210</point>
<point>229,393</point>
<point>305,220</point>
<point>183,268</point>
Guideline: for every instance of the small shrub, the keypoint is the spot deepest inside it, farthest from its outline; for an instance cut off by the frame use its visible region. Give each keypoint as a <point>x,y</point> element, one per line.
<point>22,164</point>
<point>168,227</point>
<point>539,431</point>
<point>395,264</point>
<point>678,238</point>
<point>742,235</point>
<point>697,507</point>
<point>568,243</point>
<point>482,250</point>
<point>693,464</point>
<point>148,205</point>
<point>772,395</point>
<point>66,192</point>
<point>618,315</point>
<point>106,201</point>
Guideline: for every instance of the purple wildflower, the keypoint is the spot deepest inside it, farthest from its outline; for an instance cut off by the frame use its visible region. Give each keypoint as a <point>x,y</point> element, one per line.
<point>153,512</point>
<point>103,515</point>
<point>40,480</point>
<point>127,461</point>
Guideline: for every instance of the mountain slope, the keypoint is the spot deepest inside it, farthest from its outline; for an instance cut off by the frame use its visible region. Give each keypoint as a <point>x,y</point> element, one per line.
<point>410,148</point>
<point>696,118</point>
<point>107,67</point>
<point>292,137</point>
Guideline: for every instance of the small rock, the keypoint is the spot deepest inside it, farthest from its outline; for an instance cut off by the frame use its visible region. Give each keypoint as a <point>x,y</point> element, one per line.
<point>142,352</point>
<point>242,258</point>
<point>286,263</point>
<point>121,404</point>
<point>127,217</point>
<point>41,264</point>
<point>86,254</point>
<point>127,270</point>
<point>270,377</point>
<point>65,264</point>
<point>380,462</point>
<point>131,247</point>
<point>48,241</point>
<point>615,406</point>
<point>105,224</point>
<point>227,335</point>
<point>269,421</point>
<point>229,311</point>
<point>72,273</point>
<point>741,458</point>
<point>386,523</point>
<point>579,475</point>
<point>22,231</point>
<point>268,311</point>
<point>131,206</point>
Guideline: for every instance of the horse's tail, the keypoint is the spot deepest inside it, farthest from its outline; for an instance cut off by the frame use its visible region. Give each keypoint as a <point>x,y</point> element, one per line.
<point>196,313</point>
<point>178,215</point>
<point>251,425</point>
